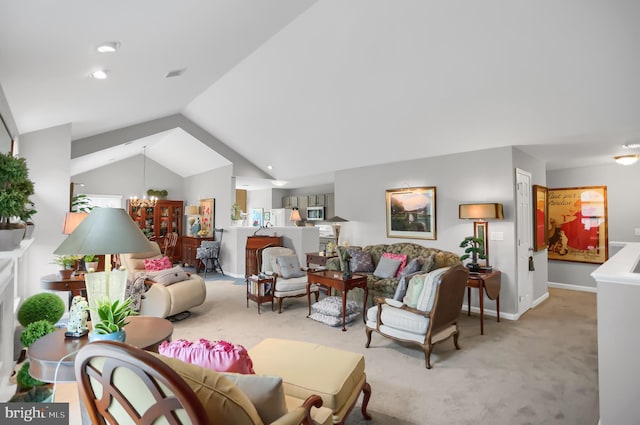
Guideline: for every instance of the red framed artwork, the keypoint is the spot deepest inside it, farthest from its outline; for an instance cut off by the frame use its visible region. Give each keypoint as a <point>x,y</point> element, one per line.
<point>540,218</point>
<point>577,227</point>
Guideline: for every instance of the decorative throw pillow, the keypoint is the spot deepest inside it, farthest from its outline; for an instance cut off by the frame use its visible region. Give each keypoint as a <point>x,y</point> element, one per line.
<point>414,290</point>
<point>168,276</point>
<point>332,306</point>
<point>221,356</point>
<point>387,267</point>
<point>428,294</point>
<point>289,266</point>
<point>429,263</point>
<point>350,250</point>
<point>361,261</point>
<point>155,264</point>
<point>401,289</point>
<point>264,391</point>
<point>412,267</point>
<point>333,320</point>
<point>401,257</point>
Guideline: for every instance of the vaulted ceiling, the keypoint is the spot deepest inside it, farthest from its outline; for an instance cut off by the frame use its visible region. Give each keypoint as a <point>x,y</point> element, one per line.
<point>310,87</point>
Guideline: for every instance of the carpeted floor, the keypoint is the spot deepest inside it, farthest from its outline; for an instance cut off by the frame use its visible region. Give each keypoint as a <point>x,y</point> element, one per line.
<point>541,369</point>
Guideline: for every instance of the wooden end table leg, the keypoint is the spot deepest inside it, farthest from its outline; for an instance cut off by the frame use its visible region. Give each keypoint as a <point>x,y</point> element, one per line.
<point>498,306</point>
<point>344,310</point>
<point>364,306</point>
<point>481,301</point>
<point>309,297</point>
<point>468,301</point>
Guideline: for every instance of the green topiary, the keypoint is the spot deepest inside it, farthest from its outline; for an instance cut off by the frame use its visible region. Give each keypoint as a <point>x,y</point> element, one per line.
<point>44,306</point>
<point>24,380</point>
<point>37,394</point>
<point>35,330</point>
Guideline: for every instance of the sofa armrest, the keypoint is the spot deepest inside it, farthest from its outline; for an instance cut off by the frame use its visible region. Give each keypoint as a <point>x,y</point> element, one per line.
<point>301,414</point>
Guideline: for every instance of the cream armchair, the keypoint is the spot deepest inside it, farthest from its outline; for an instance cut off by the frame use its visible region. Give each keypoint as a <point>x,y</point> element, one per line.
<point>433,319</point>
<point>120,383</point>
<point>284,287</point>
<point>164,300</point>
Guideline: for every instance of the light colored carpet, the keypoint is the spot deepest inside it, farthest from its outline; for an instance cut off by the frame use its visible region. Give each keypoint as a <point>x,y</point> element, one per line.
<point>541,369</point>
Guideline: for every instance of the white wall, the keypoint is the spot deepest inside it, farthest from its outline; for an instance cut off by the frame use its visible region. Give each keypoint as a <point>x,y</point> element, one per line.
<point>212,184</point>
<point>48,155</point>
<point>480,176</point>
<point>623,205</point>
<point>259,199</point>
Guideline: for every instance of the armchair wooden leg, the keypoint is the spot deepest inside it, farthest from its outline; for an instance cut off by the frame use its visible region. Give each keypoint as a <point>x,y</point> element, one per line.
<point>279,305</point>
<point>366,391</point>
<point>427,355</point>
<point>455,340</point>
<point>369,331</point>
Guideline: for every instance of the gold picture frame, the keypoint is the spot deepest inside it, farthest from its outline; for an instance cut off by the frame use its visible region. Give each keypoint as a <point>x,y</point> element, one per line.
<point>577,227</point>
<point>540,218</point>
<point>411,213</point>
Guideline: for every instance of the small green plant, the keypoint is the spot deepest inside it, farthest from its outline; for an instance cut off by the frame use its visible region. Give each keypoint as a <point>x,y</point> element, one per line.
<point>90,258</point>
<point>235,212</point>
<point>81,203</point>
<point>161,194</point>
<point>66,261</point>
<point>24,379</point>
<point>15,190</point>
<point>44,306</point>
<point>112,315</point>
<point>35,330</point>
<point>474,249</point>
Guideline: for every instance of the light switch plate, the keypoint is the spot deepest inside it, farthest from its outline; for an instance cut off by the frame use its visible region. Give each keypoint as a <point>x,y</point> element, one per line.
<point>637,231</point>
<point>497,236</point>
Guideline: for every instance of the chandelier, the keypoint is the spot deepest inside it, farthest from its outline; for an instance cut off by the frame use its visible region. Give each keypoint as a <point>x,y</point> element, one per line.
<point>143,202</point>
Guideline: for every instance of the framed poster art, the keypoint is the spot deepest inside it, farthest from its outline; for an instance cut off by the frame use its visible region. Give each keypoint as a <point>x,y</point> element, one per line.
<point>411,213</point>
<point>257,217</point>
<point>540,218</point>
<point>207,211</point>
<point>577,228</point>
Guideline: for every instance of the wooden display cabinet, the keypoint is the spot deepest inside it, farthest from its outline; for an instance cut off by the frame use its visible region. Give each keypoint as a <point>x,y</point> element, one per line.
<point>190,246</point>
<point>157,222</point>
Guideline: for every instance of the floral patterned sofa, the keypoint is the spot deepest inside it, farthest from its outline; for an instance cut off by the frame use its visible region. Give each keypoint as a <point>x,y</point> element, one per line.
<point>434,259</point>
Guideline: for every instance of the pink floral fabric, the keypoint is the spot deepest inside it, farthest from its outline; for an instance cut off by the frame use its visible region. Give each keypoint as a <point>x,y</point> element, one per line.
<point>401,257</point>
<point>157,264</point>
<point>221,356</point>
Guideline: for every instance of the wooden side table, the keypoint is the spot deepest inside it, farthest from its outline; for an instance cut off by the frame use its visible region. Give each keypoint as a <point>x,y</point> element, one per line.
<point>319,258</point>
<point>490,283</point>
<point>75,285</point>
<point>260,290</point>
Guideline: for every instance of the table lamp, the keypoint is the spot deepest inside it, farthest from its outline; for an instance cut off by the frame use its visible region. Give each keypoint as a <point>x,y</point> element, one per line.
<point>336,220</point>
<point>481,213</point>
<point>295,217</point>
<point>105,231</point>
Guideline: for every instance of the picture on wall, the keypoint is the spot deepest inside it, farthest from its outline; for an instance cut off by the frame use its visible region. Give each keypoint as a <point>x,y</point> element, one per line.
<point>577,228</point>
<point>256,217</point>
<point>411,213</point>
<point>540,218</point>
<point>207,210</point>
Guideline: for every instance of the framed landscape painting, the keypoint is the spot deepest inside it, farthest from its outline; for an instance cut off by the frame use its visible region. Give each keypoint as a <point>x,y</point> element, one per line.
<point>540,218</point>
<point>411,213</point>
<point>578,224</point>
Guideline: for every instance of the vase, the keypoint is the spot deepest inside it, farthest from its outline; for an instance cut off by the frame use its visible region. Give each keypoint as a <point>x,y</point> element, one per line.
<point>346,274</point>
<point>65,273</point>
<point>115,336</point>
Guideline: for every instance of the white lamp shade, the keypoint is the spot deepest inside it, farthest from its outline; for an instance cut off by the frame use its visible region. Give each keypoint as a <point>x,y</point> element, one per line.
<point>191,210</point>
<point>295,215</point>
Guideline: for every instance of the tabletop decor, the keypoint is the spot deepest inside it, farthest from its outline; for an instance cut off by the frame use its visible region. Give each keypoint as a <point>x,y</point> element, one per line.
<point>411,213</point>
<point>474,249</point>
<point>112,318</point>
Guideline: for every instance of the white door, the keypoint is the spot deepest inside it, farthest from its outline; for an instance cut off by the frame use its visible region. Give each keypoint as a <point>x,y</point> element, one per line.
<point>523,238</point>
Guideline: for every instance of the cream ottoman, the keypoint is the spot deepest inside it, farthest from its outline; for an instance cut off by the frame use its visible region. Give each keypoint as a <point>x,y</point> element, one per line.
<point>335,375</point>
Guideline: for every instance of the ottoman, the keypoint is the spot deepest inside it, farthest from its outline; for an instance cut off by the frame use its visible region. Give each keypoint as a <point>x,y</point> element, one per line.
<point>335,375</point>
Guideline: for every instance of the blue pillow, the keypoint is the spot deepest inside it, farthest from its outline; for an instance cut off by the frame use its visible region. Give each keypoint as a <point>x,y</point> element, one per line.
<point>289,266</point>
<point>413,266</point>
<point>387,267</point>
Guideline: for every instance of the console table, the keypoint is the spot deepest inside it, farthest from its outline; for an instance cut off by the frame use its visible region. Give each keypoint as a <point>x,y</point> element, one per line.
<point>318,258</point>
<point>489,283</point>
<point>75,285</point>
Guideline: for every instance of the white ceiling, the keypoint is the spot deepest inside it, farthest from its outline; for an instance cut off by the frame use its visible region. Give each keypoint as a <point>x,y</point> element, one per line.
<point>312,87</point>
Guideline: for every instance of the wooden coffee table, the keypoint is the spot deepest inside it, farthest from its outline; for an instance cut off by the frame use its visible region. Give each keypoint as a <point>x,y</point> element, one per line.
<point>44,354</point>
<point>75,285</point>
<point>333,279</point>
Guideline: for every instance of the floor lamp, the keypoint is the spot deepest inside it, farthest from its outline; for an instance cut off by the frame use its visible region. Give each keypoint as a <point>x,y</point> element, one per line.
<point>105,231</point>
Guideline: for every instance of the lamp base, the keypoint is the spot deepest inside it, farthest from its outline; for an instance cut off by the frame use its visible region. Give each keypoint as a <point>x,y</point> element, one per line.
<point>78,334</point>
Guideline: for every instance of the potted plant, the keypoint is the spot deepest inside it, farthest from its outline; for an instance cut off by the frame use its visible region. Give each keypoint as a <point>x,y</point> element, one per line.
<point>91,262</point>
<point>15,205</point>
<point>112,318</point>
<point>474,249</point>
<point>67,262</point>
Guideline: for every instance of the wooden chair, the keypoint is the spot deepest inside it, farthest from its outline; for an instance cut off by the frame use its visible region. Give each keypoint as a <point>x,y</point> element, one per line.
<point>112,367</point>
<point>170,242</point>
<point>436,318</point>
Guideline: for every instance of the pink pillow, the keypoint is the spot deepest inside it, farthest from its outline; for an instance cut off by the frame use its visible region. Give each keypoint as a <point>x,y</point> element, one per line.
<point>221,356</point>
<point>401,257</point>
<point>157,264</point>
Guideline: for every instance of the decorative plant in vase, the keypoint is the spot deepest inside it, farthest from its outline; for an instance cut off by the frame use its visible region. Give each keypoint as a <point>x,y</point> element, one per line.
<point>474,249</point>
<point>112,318</point>
<point>346,258</point>
<point>15,205</point>
<point>67,262</point>
<point>91,262</point>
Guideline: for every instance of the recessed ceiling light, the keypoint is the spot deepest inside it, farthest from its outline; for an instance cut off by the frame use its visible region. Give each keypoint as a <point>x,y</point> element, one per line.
<point>631,146</point>
<point>108,47</point>
<point>269,167</point>
<point>175,73</point>
<point>100,74</point>
<point>278,182</point>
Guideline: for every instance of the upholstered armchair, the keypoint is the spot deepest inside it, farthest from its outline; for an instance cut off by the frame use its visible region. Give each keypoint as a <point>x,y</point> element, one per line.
<point>289,278</point>
<point>120,383</point>
<point>163,299</point>
<point>428,313</point>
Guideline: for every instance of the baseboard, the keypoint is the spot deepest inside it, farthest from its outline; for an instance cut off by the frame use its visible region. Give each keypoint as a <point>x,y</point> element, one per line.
<point>579,288</point>
<point>540,300</point>
<point>491,313</point>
